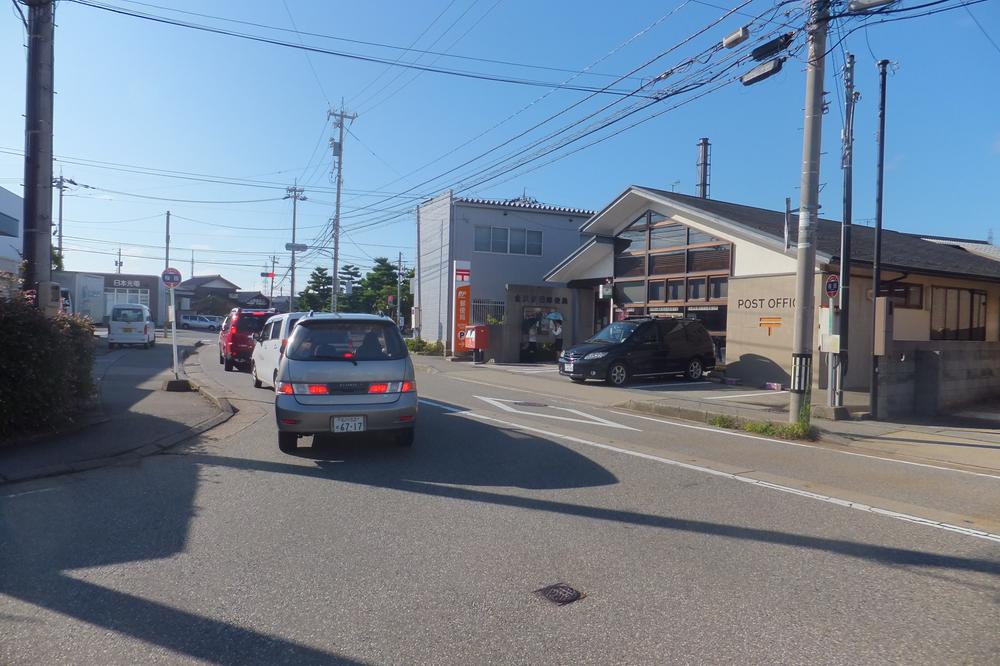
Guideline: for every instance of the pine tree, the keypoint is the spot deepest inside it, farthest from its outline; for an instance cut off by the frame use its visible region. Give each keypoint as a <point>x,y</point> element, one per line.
<point>316,295</point>
<point>350,277</point>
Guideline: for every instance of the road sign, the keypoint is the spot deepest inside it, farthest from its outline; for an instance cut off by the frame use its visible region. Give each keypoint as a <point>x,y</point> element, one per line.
<point>171,277</point>
<point>296,247</point>
<point>267,275</point>
<point>832,285</point>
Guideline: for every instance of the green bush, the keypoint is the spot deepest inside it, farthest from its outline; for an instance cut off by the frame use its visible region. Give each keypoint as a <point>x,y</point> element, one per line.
<point>436,349</point>
<point>47,364</point>
<point>798,430</point>
<point>416,345</point>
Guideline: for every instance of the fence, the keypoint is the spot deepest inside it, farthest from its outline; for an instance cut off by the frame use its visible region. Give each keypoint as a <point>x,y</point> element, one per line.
<point>487,311</point>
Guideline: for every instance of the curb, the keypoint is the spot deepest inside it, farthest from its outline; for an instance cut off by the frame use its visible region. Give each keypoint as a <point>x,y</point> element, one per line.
<point>226,412</point>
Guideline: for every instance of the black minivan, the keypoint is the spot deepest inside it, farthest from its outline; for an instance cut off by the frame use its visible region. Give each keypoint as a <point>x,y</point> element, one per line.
<point>641,348</point>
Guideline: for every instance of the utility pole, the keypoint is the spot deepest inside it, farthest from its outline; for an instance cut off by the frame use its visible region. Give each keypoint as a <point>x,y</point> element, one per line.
<point>166,258</point>
<point>274,261</point>
<point>192,263</point>
<point>877,255</point>
<point>847,163</point>
<point>802,344</point>
<point>37,212</point>
<point>119,264</point>
<point>296,194</point>
<point>338,158</point>
<point>399,287</point>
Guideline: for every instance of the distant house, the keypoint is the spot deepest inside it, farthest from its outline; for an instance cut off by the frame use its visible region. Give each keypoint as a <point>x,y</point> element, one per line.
<point>197,289</point>
<point>252,299</point>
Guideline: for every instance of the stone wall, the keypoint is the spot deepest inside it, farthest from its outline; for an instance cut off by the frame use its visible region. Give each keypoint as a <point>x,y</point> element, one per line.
<point>937,376</point>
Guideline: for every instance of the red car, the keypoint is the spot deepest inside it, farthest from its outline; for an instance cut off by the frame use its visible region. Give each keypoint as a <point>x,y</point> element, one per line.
<point>236,340</point>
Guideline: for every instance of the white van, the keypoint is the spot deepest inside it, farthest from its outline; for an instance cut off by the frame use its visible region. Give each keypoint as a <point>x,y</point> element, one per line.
<point>131,324</point>
<point>269,347</point>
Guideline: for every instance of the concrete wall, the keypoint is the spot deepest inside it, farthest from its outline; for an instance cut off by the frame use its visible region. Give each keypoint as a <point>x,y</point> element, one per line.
<point>434,287</point>
<point>11,206</point>
<point>928,378</point>
<point>491,272</point>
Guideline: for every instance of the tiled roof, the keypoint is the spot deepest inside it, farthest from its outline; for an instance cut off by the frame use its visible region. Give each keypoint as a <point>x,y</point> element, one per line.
<point>900,251</point>
<point>527,204</point>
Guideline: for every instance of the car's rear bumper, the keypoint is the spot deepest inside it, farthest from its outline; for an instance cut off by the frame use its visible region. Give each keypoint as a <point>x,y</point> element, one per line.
<point>315,419</point>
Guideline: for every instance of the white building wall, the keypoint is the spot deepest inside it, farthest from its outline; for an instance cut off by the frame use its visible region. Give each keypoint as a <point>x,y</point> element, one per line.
<point>11,233</point>
<point>433,290</point>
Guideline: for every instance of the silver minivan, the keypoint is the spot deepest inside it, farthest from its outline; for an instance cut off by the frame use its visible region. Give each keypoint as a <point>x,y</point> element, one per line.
<point>345,373</point>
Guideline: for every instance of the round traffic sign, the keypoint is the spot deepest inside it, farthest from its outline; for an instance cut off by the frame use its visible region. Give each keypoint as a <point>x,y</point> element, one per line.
<point>832,285</point>
<point>171,277</point>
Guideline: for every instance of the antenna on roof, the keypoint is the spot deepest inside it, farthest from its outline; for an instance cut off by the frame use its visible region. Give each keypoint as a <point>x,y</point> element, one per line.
<point>989,236</point>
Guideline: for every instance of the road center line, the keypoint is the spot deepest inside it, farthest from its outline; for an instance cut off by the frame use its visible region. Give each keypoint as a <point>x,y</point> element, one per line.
<point>858,506</point>
<point>785,442</point>
<point>29,492</point>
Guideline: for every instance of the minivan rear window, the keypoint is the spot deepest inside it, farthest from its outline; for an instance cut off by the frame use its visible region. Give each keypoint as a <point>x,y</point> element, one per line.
<point>250,323</point>
<point>130,315</point>
<point>346,340</point>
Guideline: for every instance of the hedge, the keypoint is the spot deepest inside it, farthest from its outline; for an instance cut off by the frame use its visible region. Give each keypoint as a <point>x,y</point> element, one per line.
<point>46,365</point>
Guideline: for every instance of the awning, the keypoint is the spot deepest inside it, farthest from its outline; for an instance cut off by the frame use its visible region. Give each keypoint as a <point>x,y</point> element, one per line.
<point>593,259</point>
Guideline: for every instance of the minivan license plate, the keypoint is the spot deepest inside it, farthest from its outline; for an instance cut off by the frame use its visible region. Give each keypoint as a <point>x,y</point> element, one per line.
<point>348,424</point>
<point>567,367</point>
<point>127,330</point>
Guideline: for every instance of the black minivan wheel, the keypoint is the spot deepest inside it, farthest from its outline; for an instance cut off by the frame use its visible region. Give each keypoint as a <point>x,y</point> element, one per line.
<point>405,437</point>
<point>695,370</point>
<point>618,374</point>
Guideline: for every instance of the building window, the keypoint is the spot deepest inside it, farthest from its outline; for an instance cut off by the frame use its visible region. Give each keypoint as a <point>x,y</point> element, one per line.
<point>666,263</point>
<point>958,314</point>
<point>517,241</point>
<point>675,290</point>
<point>500,240</point>
<point>534,243</point>
<point>712,316</point>
<point>672,235</point>
<point>657,290</point>
<point>630,292</point>
<point>483,239</point>
<point>903,294</point>
<point>628,266</point>
<point>696,289</point>
<point>718,287</point>
<point>700,237</point>
<point>714,258</point>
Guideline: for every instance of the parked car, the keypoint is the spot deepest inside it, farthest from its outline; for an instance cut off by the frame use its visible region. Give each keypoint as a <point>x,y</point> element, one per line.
<point>131,324</point>
<point>345,373</point>
<point>270,345</point>
<point>198,321</point>
<point>236,335</point>
<point>641,348</point>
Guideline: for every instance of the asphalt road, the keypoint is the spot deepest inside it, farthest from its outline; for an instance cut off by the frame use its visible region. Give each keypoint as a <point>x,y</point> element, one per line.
<point>692,546</point>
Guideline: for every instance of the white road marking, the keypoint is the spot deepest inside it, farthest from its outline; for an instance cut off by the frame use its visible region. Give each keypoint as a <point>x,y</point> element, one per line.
<point>744,395</point>
<point>29,492</point>
<point>447,408</point>
<point>858,506</point>
<point>785,442</point>
<point>588,419</point>
<point>517,390</point>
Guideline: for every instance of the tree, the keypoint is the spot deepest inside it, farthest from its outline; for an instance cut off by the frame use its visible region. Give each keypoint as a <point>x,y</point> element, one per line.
<point>350,275</point>
<point>316,295</point>
<point>379,284</point>
<point>57,259</point>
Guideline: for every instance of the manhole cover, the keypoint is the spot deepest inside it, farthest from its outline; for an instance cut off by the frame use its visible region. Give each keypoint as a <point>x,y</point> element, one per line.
<point>560,593</point>
<point>524,403</point>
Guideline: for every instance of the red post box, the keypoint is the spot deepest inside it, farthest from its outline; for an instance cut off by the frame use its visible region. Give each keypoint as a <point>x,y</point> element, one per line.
<point>477,337</point>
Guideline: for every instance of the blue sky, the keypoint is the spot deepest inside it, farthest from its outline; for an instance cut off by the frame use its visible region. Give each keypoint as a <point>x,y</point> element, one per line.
<point>133,92</point>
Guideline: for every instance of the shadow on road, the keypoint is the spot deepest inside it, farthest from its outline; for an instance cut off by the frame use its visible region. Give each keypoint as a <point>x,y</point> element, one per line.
<point>145,514</point>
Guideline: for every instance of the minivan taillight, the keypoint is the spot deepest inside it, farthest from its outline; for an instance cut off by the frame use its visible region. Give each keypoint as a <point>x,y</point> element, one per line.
<point>284,388</point>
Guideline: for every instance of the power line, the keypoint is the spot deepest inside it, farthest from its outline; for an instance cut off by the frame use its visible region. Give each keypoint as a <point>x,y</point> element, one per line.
<point>298,36</point>
<point>369,43</point>
<point>342,54</point>
<point>981,28</point>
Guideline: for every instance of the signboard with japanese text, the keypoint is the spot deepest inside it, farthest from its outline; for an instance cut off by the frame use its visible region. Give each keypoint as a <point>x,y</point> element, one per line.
<point>462,304</point>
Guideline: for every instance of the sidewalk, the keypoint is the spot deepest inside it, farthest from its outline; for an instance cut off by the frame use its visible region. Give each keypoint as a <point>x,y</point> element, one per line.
<point>135,417</point>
